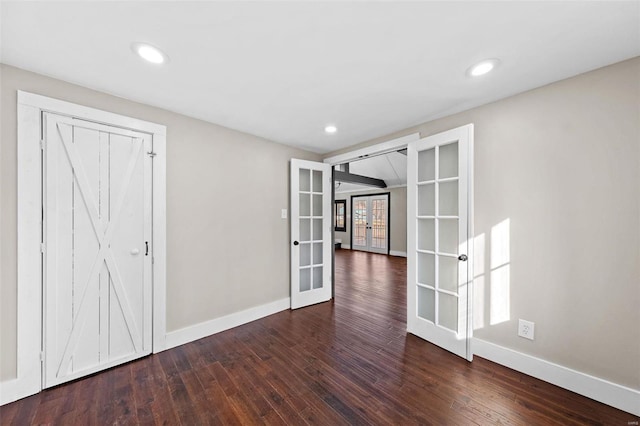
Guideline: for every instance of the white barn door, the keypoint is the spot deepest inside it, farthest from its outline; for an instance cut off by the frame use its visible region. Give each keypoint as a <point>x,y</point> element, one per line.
<point>97,247</point>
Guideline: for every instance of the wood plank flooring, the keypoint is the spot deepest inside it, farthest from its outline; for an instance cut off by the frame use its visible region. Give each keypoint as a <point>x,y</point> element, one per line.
<point>343,362</point>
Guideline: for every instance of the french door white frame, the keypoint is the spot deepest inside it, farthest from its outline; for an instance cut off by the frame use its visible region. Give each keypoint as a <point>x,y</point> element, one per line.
<point>459,341</point>
<point>369,230</point>
<point>301,298</point>
<point>29,289</point>
<point>401,143</point>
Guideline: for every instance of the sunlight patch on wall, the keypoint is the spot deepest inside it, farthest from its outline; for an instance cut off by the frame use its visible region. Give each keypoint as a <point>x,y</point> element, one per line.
<point>478,302</point>
<point>478,282</point>
<point>500,295</point>
<point>500,244</point>
<point>500,310</point>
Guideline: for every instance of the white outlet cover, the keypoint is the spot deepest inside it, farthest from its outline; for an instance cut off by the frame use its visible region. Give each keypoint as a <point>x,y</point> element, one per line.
<point>526,329</point>
<point>283,214</point>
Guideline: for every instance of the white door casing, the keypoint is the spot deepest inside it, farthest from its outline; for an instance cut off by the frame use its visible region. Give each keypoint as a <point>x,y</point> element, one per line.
<point>439,232</point>
<point>370,223</point>
<point>30,298</point>
<point>311,222</point>
<point>97,233</point>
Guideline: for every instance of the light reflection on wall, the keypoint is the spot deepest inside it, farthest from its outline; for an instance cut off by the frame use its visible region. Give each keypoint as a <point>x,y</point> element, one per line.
<point>478,281</point>
<point>492,287</point>
<point>500,273</point>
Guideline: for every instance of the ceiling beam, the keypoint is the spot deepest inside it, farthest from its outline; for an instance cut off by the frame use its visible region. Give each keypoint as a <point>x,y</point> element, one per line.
<point>358,179</point>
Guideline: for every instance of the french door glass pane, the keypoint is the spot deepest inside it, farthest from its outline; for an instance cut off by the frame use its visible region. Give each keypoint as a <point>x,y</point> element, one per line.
<point>317,229</point>
<point>317,204</point>
<point>305,279</point>
<point>317,181</point>
<point>448,311</point>
<point>317,277</point>
<point>426,303</point>
<point>448,273</point>
<point>448,161</point>
<point>305,205</point>
<point>426,200</point>
<point>305,230</point>
<point>426,269</point>
<point>448,236</point>
<point>379,225</point>
<point>427,165</point>
<point>359,222</point>
<point>317,253</point>
<point>305,177</point>
<point>305,254</point>
<point>448,198</point>
<point>426,234</point>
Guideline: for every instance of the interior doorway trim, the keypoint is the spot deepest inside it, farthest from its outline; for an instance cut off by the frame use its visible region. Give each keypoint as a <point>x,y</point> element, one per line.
<point>378,149</point>
<point>29,286</point>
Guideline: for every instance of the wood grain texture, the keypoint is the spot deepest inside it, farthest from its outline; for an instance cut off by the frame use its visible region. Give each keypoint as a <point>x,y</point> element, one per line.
<point>343,362</point>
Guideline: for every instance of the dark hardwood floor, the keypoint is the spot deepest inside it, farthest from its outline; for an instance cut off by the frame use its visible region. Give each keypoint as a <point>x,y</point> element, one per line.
<point>343,362</point>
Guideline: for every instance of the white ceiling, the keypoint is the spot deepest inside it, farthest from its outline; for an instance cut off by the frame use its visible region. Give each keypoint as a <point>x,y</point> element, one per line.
<point>283,70</point>
<point>390,167</point>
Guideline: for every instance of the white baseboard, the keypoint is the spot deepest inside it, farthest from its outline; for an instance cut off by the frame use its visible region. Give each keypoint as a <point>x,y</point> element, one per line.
<point>601,390</point>
<point>10,390</point>
<point>346,246</point>
<point>207,328</point>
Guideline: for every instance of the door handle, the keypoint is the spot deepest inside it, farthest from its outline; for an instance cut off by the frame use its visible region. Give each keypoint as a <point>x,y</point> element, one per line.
<point>463,257</point>
<point>146,250</point>
<point>295,243</point>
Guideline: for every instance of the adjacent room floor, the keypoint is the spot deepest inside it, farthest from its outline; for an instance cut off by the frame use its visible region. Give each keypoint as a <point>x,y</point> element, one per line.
<point>343,362</point>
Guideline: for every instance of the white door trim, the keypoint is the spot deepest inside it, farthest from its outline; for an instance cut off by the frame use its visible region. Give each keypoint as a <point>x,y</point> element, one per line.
<point>29,287</point>
<point>302,298</point>
<point>378,149</point>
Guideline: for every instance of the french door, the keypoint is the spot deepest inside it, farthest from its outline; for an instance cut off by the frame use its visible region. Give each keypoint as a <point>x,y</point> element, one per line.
<point>311,221</point>
<point>97,242</point>
<point>370,223</point>
<point>439,228</point>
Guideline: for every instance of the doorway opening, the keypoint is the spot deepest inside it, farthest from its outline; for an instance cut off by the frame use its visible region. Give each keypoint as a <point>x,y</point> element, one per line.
<point>370,217</point>
<point>439,226</point>
<point>370,249</point>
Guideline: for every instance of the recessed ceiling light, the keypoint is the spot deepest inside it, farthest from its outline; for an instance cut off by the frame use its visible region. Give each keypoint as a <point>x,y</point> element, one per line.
<point>149,53</point>
<point>330,129</point>
<point>483,67</point>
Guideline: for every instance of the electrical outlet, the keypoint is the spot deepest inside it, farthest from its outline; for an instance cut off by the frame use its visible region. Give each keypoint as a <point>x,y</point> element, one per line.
<point>283,214</point>
<point>526,329</point>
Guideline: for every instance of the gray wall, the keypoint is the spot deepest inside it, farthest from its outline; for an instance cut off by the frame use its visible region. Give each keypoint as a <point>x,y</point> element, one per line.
<point>562,164</point>
<point>222,256</point>
<point>398,225</point>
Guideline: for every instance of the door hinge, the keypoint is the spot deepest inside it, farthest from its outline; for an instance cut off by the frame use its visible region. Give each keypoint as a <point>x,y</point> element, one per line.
<point>41,144</point>
<point>41,356</point>
<point>42,247</point>
<point>151,154</point>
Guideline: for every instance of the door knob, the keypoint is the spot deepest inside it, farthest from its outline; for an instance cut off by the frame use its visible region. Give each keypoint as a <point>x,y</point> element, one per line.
<point>295,243</point>
<point>135,251</point>
<point>463,257</point>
